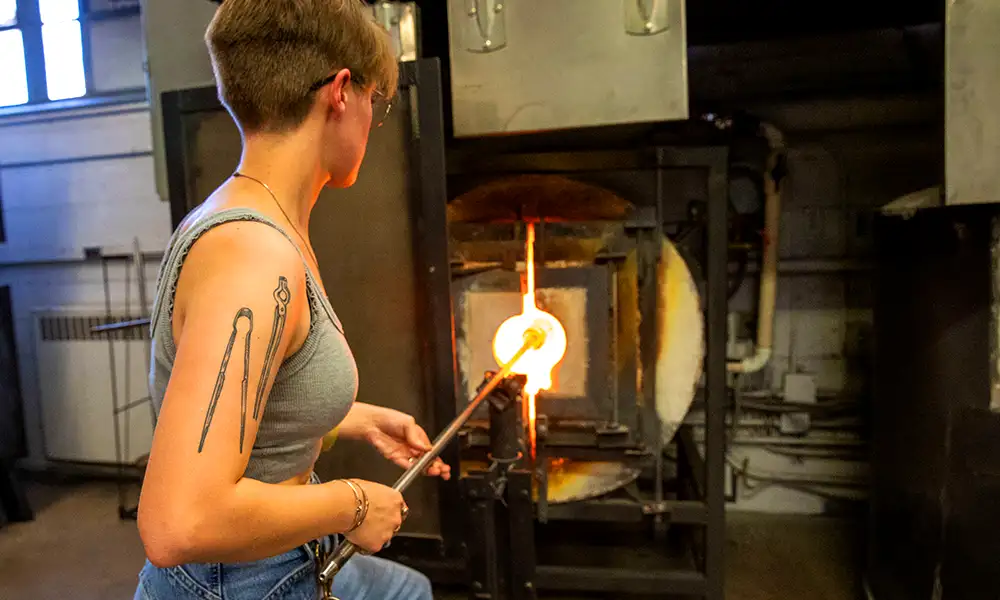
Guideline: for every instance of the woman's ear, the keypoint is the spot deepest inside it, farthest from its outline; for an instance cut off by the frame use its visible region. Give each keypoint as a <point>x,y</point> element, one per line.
<point>337,91</point>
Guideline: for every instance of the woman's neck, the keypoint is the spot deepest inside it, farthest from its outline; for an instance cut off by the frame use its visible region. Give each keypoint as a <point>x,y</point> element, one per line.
<point>288,164</point>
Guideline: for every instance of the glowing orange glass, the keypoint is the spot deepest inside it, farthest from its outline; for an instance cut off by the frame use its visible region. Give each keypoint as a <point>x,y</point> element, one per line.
<point>537,363</point>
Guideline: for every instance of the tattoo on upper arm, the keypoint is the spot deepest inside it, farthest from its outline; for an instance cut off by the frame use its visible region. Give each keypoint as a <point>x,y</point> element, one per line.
<point>282,297</point>
<point>220,381</point>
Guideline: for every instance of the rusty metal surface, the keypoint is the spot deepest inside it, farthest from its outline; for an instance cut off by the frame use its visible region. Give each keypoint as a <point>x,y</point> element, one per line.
<point>572,481</point>
<point>576,480</point>
<point>972,91</point>
<point>534,197</point>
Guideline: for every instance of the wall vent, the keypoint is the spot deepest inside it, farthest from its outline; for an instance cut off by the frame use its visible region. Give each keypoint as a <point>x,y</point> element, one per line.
<point>80,328</point>
<point>79,388</point>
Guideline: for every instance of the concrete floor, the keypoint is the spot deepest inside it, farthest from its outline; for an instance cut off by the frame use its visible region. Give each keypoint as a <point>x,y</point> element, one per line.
<point>78,548</point>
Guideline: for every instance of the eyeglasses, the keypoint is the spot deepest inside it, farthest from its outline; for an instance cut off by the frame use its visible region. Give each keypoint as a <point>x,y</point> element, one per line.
<point>380,104</point>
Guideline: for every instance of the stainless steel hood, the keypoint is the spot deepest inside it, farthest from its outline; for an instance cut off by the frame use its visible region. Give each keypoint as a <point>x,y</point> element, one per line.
<point>972,102</point>
<point>535,65</point>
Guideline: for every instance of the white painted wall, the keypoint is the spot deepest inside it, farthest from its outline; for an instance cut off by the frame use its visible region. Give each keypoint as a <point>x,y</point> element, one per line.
<point>71,181</point>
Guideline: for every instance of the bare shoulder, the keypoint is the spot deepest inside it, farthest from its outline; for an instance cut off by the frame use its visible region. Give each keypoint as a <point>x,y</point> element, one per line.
<point>236,262</point>
<point>244,244</point>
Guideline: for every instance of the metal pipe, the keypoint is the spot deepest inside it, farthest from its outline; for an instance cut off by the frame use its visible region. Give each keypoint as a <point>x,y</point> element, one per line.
<point>533,338</point>
<point>794,478</point>
<point>846,424</point>
<point>769,267</point>
<point>120,325</point>
<point>818,453</point>
<point>799,442</point>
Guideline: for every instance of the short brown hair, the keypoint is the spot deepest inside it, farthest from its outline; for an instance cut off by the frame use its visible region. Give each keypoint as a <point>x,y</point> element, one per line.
<point>268,53</point>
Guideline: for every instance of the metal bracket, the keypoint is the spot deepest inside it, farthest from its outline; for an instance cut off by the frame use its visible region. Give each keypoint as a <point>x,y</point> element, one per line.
<point>611,430</point>
<point>642,218</point>
<point>486,26</point>
<point>646,17</point>
<point>495,477</point>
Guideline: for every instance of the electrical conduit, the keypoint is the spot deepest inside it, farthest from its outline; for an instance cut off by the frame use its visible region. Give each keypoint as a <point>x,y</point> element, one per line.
<point>769,263</point>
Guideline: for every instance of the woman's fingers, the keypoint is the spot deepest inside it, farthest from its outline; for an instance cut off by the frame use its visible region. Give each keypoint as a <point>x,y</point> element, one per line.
<point>437,468</point>
<point>417,438</point>
<point>402,461</point>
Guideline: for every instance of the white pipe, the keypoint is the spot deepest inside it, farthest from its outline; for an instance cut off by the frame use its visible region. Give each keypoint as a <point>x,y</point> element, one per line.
<point>769,263</point>
<point>756,361</point>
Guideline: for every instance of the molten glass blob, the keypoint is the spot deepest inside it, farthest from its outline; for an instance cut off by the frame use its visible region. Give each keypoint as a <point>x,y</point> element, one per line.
<point>537,363</point>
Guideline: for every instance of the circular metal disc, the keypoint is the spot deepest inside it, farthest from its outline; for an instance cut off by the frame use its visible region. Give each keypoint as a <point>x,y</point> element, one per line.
<point>572,481</point>
<point>681,340</point>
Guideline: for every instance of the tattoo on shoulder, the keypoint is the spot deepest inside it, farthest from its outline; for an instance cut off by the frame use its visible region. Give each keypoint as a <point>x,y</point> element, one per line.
<point>243,321</point>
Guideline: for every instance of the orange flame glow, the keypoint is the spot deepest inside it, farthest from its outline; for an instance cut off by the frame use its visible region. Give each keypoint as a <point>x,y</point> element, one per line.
<point>536,363</point>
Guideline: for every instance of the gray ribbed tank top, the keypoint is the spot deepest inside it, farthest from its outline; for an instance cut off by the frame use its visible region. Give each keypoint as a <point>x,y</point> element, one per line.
<point>314,388</point>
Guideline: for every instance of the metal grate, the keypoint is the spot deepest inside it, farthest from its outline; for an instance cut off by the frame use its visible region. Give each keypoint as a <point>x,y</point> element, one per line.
<point>79,328</point>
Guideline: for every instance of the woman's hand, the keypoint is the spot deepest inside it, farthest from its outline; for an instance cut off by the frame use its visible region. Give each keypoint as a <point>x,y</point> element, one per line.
<point>385,516</point>
<point>396,436</point>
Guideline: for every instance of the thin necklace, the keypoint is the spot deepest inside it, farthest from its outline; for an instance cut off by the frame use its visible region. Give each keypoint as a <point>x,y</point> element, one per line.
<point>278,204</point>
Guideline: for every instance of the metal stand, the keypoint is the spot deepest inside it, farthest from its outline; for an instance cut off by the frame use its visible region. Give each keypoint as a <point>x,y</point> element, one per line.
<point>129,328</point>
<point>532,339</point>
<point>500,510</point>
<point>503,549</point>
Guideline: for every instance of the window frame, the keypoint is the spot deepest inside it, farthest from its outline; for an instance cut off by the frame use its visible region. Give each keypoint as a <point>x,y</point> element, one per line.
<point>29,22</point>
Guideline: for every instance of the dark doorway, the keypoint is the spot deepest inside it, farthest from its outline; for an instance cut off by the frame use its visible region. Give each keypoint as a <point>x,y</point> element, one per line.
<point>13,502</point>
<point>12,441</point>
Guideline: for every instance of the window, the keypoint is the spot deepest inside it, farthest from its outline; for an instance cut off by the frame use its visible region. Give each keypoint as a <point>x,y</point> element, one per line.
<point>61,49</point>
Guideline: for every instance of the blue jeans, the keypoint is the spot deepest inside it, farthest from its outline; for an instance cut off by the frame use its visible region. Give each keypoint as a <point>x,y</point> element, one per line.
<point>291,575</point>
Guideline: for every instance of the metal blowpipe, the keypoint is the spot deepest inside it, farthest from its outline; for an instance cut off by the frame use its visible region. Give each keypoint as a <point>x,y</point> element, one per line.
<point>533,338</point>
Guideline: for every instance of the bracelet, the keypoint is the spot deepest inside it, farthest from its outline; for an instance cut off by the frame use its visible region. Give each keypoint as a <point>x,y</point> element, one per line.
<point>364,510</point>
<point>361,510</point>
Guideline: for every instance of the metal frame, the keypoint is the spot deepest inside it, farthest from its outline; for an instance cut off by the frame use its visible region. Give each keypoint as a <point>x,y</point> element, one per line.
<point>130,328</point>
<point>422,80</point>
<point>701,501</point>
<point>176,105</point>
<point>597,282</point>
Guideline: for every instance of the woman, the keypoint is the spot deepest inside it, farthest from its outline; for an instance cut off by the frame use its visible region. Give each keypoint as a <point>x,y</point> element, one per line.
<point>250,366</point>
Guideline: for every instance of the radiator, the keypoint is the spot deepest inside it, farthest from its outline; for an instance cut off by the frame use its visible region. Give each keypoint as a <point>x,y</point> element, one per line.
<point>77,392</point>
